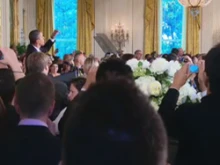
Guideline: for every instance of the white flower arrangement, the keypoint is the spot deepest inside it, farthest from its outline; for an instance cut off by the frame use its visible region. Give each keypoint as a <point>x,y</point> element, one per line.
<point>155,79</point>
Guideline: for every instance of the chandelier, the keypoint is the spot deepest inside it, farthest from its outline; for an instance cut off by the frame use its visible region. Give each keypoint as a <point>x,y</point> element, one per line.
<point>194,5</point>
<point>119,35</point>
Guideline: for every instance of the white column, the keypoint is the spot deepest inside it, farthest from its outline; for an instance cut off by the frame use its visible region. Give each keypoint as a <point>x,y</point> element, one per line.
<point>5,22</point>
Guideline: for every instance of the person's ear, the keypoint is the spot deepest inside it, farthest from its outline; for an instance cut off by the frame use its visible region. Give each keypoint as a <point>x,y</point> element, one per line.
<point>17,107</point>
<point>51,109</point>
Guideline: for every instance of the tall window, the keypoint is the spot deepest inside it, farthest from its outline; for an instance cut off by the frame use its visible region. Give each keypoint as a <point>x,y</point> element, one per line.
<point>172,26</point>
<point>65,19</point>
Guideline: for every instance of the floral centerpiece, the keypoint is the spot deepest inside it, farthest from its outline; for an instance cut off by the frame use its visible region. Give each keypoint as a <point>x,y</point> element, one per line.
<point>155,79</point>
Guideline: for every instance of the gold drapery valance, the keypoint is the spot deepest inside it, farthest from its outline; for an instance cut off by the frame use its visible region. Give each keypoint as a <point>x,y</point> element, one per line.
<point>151,29</point>
<point>86,24</point>
<point>193,32</point>
<point>14,9</point>
<point>45,18</point>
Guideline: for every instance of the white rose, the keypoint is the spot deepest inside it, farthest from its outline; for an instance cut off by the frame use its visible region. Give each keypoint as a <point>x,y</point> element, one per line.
<point>159,66</point>
<point>145,63</point>
<point>133,63</point>
<point>143,83</point>
<point>155,88</point>
<point>173,67</point>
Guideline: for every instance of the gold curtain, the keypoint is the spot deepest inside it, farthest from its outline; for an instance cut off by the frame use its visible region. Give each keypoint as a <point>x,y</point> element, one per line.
<point>151,21</point>
<point>193,33</point>
<point>14,22</point>
<point>45,18</point>
<point>86,24</point>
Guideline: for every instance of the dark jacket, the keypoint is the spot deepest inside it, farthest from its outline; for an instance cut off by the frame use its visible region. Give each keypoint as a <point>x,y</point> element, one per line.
<point>195,126</point>
<point>31,49</point>
<point>33,145</point>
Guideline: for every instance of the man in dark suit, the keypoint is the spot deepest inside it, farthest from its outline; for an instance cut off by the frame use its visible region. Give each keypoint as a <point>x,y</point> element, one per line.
<point>37,43</point>
<point>196,126</point>
<point>32,142</point>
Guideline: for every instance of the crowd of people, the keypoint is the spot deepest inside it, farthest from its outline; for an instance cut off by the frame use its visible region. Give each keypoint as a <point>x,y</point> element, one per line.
<point>82,110</point>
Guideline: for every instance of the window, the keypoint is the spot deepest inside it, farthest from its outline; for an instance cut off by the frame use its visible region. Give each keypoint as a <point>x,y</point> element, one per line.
<point>65,19</point>
<point>172,26</point>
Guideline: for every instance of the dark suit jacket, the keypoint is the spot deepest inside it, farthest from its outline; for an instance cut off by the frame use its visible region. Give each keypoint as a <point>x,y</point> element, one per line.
<point>31,49</point>
<point>33,145</point>
<point>196,126</point>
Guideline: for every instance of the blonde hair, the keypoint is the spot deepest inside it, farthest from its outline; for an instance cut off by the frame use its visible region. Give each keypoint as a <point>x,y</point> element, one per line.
<point>37,61</point>
<point>89,63</point>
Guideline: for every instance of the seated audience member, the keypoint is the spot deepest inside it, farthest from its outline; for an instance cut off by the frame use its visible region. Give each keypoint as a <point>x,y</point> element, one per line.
<point>79,60</point>
<point>54,70</point>
<point>114,124</point>
<point>89,63</point>
<point>38,62</point>
<point>67,67</point>
<point>37,43</point>
<point>126,57</point>
<point>138,54</point>
<point>110,69</point>
<point>196,126</point>
<point>32,143</point>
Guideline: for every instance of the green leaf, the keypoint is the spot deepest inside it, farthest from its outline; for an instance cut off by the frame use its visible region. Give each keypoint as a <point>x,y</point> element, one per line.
<point>140,64</point>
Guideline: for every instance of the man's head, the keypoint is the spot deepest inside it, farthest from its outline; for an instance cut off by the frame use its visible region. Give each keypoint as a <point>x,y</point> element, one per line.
<point>36,38</point>
<point>138,54</point>
<point>175,51</point>
<point>212,68</point>
<point>180,52</point>
<point>79,59</point>
<point>114,123</point>
<point>38,62</point>
<point>34,96</point>
<point>112,69</point>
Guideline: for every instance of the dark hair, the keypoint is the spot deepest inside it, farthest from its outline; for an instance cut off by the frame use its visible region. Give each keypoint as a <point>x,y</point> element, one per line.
<point>212,68</point>
<point>77,55</point>
<point>7,85</point>
<point>78,82</point>
<point>35,94</point>
<point>113,68</point>
<point>136,51</point>
<point>114,123</point>
<point>175,51</point>
<point>34,36</point>
<point>126,57</point>
<point>37,61</point>
<point>172,57</point>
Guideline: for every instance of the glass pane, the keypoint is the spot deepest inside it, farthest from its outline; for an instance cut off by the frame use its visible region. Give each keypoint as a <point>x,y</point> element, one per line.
<point>65,18</point>
<point>172,34</point>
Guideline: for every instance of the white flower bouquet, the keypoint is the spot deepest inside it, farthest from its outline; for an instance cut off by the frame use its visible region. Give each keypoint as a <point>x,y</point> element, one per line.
<point>155,79</point>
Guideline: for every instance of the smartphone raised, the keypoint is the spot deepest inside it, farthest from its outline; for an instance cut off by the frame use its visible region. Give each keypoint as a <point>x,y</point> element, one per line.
<point>194,69</point>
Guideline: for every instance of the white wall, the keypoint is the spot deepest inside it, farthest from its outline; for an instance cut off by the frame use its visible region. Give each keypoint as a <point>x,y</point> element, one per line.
<point>27,18</point>
<point>30,18</point>
<point>5,22</point>
<point>128,12</point>
<point>210,29</point>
